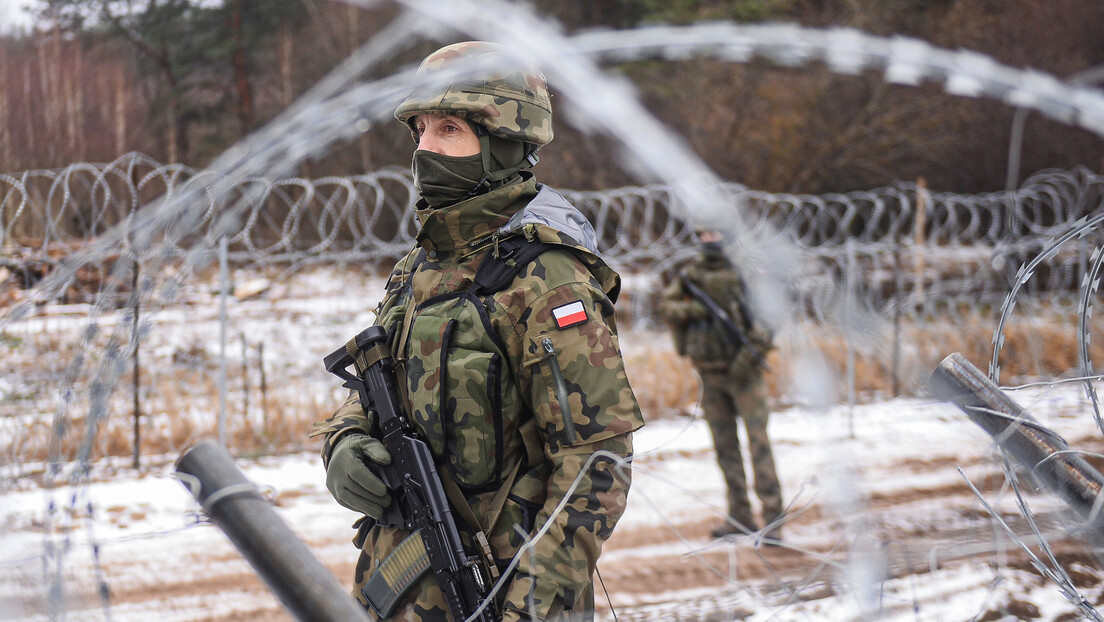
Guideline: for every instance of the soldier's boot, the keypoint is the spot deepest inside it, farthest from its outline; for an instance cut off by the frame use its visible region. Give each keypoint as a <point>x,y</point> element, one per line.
<point>772,534</point>
<point>734,526</point>
<point>772,537</point>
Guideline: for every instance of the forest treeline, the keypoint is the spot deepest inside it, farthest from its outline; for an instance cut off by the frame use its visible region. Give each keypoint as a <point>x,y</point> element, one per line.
<point>181,80</point>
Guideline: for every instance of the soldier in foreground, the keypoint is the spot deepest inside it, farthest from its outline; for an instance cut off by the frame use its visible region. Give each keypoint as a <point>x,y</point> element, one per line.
<point>501,323</point>
<point>712,323</point>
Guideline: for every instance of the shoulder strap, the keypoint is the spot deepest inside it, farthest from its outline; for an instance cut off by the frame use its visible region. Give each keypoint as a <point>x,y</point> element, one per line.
<point>533,455</point>
<point>504,263</point>
<point>398,349</point>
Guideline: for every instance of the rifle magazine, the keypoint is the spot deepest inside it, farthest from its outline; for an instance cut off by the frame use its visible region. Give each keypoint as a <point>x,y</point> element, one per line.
<point>398,572</point>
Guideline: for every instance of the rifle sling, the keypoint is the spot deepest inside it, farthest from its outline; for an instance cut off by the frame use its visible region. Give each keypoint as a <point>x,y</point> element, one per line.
<point>400,355</point>
<point>533,455</point>
<point>399,348</point>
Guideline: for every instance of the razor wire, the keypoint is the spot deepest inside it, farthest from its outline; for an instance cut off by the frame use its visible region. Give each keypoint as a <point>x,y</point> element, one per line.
<point>958,258</point>
<point>916,250</point>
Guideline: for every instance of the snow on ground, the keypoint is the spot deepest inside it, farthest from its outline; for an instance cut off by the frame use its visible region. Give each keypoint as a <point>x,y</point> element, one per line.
<point>841,467</point>
<point>137,523</point>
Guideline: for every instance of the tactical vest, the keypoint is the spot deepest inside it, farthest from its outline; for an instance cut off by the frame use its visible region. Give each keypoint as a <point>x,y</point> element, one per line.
<point>706,341</point>
<point>460,392</point>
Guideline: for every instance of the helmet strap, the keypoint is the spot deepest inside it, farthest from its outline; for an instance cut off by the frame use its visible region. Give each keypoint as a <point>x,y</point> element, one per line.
<point>491,176</point>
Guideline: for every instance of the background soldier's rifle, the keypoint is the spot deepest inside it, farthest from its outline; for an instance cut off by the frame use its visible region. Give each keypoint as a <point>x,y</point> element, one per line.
<point>726,320</point>
<point>419,502</point>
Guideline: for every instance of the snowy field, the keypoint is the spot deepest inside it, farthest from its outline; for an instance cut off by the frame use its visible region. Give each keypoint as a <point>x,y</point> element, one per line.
<point>857,502</point>
<point>882,522</point>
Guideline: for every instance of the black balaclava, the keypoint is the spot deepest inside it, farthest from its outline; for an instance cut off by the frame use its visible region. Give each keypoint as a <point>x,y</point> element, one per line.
<point>443,180</point>
<point>714,252</point>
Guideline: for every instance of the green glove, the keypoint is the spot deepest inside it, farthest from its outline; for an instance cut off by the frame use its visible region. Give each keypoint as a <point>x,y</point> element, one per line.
<point>697,310</point>
<point>351,480</point>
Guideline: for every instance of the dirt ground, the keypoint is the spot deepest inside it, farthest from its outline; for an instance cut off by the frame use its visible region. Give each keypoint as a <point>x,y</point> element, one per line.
<point>671,572</point>
<point>730,579</point>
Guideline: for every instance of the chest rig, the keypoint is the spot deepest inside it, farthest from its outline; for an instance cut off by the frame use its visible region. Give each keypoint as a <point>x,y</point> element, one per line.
<point>460,391</point>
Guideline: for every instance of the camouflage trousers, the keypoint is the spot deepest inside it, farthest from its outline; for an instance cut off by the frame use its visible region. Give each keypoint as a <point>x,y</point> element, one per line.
<point>725,400</point>
<point>425,602</point>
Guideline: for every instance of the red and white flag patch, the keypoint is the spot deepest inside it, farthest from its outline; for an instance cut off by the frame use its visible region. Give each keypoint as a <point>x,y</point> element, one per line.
<point>569,314</point>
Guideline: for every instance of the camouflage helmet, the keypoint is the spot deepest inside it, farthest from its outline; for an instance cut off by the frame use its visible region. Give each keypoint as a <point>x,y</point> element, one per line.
<point>513,104</point>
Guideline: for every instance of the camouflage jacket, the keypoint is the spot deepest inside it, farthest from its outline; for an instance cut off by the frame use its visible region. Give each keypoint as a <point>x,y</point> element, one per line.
<point>546,348</point>
<point>698,333</point>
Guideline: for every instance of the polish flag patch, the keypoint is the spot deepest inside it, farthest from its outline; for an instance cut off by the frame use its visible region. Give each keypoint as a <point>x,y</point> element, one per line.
<point>569,314</point>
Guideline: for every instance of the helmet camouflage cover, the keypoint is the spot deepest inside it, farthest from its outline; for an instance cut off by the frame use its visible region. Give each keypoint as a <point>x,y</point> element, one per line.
<point>511,104</point>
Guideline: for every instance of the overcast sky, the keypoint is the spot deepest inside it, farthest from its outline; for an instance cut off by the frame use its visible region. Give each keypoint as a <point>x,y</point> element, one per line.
<point>12,14</point>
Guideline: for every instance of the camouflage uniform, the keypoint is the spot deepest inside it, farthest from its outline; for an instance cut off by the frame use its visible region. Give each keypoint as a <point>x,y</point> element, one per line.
<point>478,367</point>
<point>733,385</point>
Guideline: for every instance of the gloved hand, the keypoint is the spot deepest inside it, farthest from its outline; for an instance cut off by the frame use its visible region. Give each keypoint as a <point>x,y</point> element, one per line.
<point>351,481</point>
<point>697,310</point>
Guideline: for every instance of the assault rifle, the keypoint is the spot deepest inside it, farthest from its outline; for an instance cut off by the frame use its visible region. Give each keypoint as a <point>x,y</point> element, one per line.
<point>418,499</point>
<point>725,319</point>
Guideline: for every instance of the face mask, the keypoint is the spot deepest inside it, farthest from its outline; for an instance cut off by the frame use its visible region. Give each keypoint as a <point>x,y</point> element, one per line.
<point>443,180</point>
<point>712,250</point>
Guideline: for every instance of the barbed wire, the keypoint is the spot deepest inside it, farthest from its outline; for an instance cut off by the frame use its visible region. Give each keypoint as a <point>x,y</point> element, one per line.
<point>918,250</point>
<point>135,232</point>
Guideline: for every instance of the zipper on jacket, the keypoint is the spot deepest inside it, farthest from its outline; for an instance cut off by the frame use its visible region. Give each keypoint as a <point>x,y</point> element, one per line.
<point>561,389</point>
<point>476,243</point>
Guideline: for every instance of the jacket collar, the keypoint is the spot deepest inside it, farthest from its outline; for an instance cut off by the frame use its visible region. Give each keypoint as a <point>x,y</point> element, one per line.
<point>463,226</point>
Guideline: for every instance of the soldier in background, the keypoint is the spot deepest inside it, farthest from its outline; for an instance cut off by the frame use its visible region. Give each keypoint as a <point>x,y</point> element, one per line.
<point>729,359</point>
<point>513,374</point>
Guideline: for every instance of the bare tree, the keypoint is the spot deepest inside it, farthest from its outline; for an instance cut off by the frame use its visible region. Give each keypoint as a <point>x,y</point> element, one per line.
<point>241,76</point>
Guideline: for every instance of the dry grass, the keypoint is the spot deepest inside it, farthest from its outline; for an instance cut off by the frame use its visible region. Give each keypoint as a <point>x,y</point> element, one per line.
<point>179,404</point>
<point>176,410</point>
<point>1033,350</point>
<point>664,383</point>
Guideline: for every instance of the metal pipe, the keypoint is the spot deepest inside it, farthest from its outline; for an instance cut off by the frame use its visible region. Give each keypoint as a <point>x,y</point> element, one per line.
<point>1047,455</point>
<point>224,293</point>
<point>305,587</point>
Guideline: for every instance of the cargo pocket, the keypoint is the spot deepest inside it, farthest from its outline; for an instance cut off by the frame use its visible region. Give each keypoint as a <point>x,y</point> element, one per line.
<point>473,416</point>
<point>456,377</point>
<point>559,396</point>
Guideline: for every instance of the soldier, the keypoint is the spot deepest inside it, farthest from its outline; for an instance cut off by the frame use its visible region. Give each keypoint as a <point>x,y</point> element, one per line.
<point>509,363</point>
<point>730,362</point>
